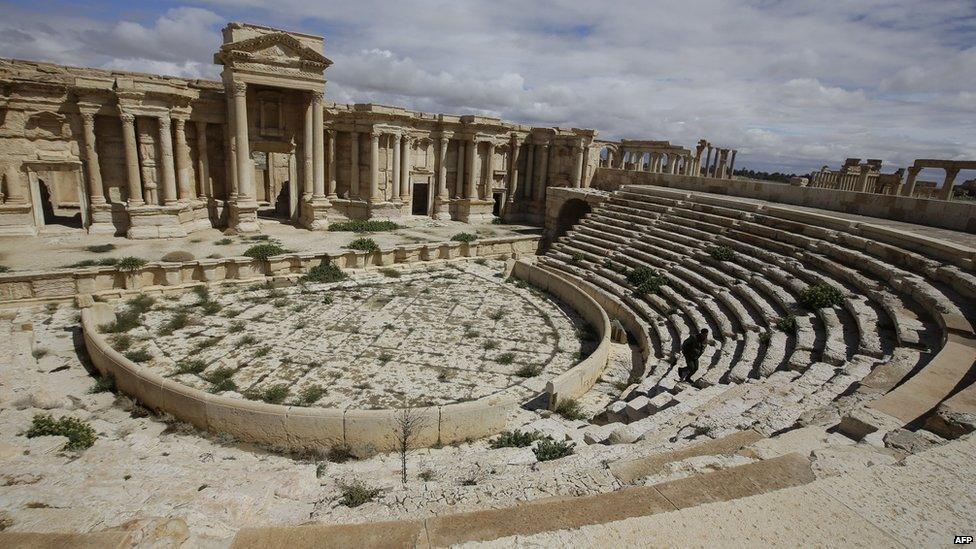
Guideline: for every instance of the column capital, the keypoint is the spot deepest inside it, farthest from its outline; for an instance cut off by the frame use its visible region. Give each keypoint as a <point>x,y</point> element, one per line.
<point>88,117</point>
<point>238,88</point>
<point>127,118</point>
<point>179,123</point>
<point>164,121</point>
<point>318,96</point>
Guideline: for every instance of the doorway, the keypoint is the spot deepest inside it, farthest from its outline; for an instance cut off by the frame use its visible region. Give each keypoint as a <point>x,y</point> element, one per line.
<point>421,200</point>
<point>57,215</point>
<point>496,208</point>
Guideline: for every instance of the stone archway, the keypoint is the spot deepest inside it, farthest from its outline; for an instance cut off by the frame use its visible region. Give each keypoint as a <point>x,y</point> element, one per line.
<point>570,213</point>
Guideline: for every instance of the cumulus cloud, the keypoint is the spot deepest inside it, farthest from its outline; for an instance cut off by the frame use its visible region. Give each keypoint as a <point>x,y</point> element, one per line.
<point>792,85</point>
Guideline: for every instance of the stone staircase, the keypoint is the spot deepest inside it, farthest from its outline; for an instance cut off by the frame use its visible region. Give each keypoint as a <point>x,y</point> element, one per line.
<point>903,335</point>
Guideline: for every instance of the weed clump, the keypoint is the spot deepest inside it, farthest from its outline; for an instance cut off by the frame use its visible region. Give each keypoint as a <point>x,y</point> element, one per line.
<point>356,494</point>
<point>820,296</point>
<point>364,226</point>
<point>363,244</point>
<point>130,263</point>
<point>464,237</point>
<point>548,449</point>
<point>514,439</point>
<point>264,251</point>
<point>645,280</point>
<point>721,253</point>
<point>570,409</point>
<point>80,434</point>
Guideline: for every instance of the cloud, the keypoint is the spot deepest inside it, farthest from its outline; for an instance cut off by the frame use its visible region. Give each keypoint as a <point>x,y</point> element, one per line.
<point>792,85</point>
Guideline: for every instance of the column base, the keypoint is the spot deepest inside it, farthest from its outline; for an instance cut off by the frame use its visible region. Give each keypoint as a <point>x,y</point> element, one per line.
<point>472,210</point>
<point>384,210</point>
<point>148,222</point>
<point>243,217</point>
<point>315,215</point>
<point>442,209</point>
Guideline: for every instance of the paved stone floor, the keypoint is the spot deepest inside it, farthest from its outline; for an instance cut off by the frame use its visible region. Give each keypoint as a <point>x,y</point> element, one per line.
<point>391,338</point>
<point>59,248</point>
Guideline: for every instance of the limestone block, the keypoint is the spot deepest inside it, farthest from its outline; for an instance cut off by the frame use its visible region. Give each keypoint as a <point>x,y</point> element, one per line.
<point>39,446</point>
<point>637,408</point>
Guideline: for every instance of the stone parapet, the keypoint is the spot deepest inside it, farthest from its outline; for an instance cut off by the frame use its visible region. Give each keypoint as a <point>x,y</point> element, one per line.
<point>63,285</point>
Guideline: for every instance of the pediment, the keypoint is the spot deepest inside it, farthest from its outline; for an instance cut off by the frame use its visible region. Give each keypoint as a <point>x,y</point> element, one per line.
<point>275,46</point>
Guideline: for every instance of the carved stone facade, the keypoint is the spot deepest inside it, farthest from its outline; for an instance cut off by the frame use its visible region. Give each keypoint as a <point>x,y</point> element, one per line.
<point>663,157</point>
<point>152,157</point>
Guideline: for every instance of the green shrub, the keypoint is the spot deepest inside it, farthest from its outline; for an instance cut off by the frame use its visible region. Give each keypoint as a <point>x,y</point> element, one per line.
<point>363,244</point>
<point>121,342</point>
<point>765,338</point>
<point>39,353</point>
<point>275,394</point>
<point>787,324</point>
<point>246,340</point>
<point>210,307</point>
<point>646,280</point>
<point>570,409</point>
<point>364,226</point>
<point>264,251</point>
<point>390,273</point>
<point>223,242</point>
<point>103,262</point>
<point>505,358</point>
<point>577,257</point>
<point>514,439</point>
<point>193,366</point>
<point>103,384</point>
<point>80,434</point>
<point>497,314</point>
<point>138,355</point>
<point>141,303</point>
<point>4,269</point>
<point>489,345</point>
<point>721,253</point>
<point>235,327</point>
<point>324,272</point>
<point>548,449</point>
<point>130,263</point>
<point>464,237</point>
<point>123,322</point>
<point>529,370</point>
<point>179,320</point>
<point>311,394</point>
<point>221,380</point>
<point>821,295</point>
<point>100,248</point>
<point>354,495</point>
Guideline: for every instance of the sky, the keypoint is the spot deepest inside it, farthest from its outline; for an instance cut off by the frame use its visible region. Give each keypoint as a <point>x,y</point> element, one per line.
<point>792,84</point>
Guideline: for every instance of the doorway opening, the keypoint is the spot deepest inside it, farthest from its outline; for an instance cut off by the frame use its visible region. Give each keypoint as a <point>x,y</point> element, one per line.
<point>496,208</point>
<point>66,217</point>
<point>420,199</point>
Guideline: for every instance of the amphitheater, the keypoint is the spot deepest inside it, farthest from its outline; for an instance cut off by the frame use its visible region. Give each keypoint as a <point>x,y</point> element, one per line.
<point>463,332</point>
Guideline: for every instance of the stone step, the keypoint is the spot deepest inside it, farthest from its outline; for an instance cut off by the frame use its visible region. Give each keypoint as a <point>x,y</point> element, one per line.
<point>545,515</point>
<point>629,471</point>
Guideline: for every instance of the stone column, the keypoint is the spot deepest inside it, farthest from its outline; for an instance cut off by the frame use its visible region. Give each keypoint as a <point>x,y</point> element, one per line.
<point>92,169</point>
<point>862,180</point>
<point>374,168</point>
<point>732,165</point>
<point>133,176</point>
<point>459,176</point>
<point>529,171</point>
<point>909,188</point>
<point>489,171</point>
<point>513,170</point>
<point>405,168</point>
<point>578,170</point>
<point>318,149</point>
<point>471,191</point>
<point>714,170</point>
<point>307,154</point>
<point>166,160</point>
<point>245,174</point>
<point>396,168</point>
<point>543,176</point>
<point>442,168</point>
<point>945,193</point>
<point>182,153</point>
<point>15,187</point>
<point>330,158</point>
<point>354,191</point>
<point>203,162</point>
